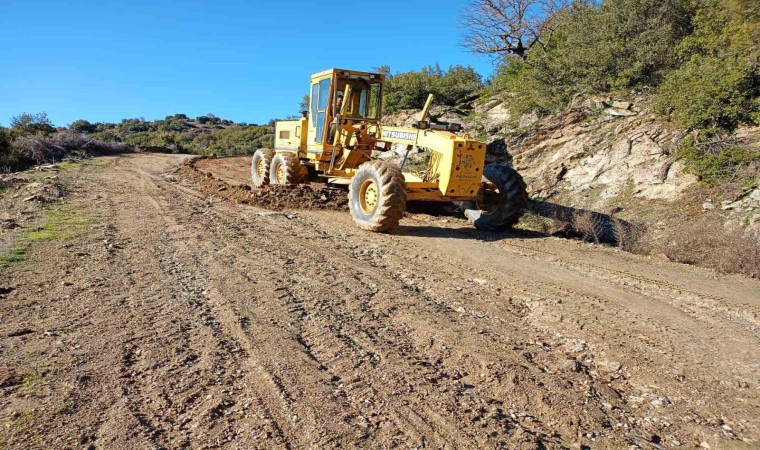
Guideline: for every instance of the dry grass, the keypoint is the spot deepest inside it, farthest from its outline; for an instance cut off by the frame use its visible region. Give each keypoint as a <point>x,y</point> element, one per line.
<point>711,244</point>
<point>631,237</point>
<point>589,225</point>
<point>55,147</point>
<point>25,151</point>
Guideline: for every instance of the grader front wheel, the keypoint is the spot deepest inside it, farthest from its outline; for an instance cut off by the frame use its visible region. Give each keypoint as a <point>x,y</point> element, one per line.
<point>505,200</point>
<point>260,163</point>
<point>285,169</point>
<point>377,196</point>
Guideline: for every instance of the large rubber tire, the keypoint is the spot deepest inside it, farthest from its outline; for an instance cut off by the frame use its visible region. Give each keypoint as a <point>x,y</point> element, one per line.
<point>285,169</point>
<point>377,196</point>
<point>510,205</point>
<point>260,163</point>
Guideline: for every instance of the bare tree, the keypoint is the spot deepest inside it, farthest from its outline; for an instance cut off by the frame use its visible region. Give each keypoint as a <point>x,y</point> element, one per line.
<point>511,27</point>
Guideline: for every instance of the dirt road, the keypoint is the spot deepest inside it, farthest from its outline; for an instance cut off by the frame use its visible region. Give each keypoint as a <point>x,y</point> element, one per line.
<point>181,320</point>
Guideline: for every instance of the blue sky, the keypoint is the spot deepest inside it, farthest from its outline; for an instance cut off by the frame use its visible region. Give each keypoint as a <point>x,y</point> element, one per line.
<point>245,61</point>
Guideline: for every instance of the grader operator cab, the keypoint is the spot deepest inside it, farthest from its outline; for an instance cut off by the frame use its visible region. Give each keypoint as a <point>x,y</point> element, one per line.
<point>335,140</point>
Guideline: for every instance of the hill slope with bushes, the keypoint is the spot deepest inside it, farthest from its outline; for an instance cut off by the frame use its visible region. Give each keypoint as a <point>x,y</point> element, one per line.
<point>32,138</point>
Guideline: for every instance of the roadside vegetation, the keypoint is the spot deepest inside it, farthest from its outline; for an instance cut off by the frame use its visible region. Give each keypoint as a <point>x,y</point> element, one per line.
<point>203,135</point>
<point>409,90</point>
<point>32,138</point>
<point>56,222</point>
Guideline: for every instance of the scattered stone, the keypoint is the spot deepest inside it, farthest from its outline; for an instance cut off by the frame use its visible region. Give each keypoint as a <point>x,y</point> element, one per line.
<point>276,213</point>
<point>578,347</point>
<point>707,206</point>
<point>620,112</point>
<point>622,105</point>
<point>20,332</point>
<point>659,402</point>
<point>8,224</point>
<point>9,378</point>
<point>35,197</point>
<point>610,366</point>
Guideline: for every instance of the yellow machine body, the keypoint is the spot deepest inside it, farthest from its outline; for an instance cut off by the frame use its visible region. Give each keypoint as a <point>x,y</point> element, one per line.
<point>454,171</point>
<point>289,135</point>
<point>335,142</point>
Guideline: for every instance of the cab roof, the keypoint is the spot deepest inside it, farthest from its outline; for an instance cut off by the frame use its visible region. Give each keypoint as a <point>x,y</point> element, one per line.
<point>330,72</point>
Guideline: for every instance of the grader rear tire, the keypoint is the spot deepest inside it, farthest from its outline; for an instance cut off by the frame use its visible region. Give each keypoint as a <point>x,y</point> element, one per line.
<point>377,196</point>
<point>285,169</point>
<point>505,206</point>
<point>260,163</point>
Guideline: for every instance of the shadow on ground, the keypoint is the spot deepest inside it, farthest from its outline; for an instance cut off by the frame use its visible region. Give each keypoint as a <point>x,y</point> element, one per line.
<point>465,232</point>
<point>574,223</point>
<point>587,224</point>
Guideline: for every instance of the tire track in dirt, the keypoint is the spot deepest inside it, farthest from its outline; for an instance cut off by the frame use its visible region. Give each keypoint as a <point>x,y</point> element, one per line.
<point>698,304</point>
<point>271,374</point>
<point>207,368</point>
<point>340,341</point>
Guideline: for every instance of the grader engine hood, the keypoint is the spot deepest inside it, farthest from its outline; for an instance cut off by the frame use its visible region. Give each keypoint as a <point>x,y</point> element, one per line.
<point>456,163</point>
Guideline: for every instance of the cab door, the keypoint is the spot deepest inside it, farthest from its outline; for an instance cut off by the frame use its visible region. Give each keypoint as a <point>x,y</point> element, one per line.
<point>319,102</point>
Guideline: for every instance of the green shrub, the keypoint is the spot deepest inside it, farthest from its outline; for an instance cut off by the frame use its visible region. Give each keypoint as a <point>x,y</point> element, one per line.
<point>11,158</point>
<point>133,126</point>
<point>409,90</point>
<point>171,124</point>
<point>20,149</point>
<point>26,124</point>
<point>718,84</point>
<point>616,45</point>
<point>715,162</point>
<point>702,58</point>
<point>82,126</point>
<point>712,93</point>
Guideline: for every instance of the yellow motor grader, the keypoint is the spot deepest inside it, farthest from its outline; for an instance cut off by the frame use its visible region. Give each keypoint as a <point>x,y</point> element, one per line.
<point>334,142</point>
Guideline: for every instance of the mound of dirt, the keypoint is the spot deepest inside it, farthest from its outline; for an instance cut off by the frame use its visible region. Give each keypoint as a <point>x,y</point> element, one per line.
<point>301,196</point>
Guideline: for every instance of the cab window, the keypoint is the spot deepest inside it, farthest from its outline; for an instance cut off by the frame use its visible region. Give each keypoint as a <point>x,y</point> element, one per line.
<point>324,98</point>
